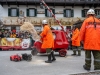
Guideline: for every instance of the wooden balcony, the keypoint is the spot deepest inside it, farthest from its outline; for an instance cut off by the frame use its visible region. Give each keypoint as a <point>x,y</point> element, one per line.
<point>37,21</point>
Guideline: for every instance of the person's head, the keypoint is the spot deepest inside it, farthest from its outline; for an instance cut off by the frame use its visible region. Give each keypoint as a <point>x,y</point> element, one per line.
<point>44,22</point>
<point>5,31</point>
<point>75,26</point>
<point>90,12</point>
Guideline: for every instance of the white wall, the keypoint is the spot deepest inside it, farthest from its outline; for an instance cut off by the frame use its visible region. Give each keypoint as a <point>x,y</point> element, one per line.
<point>39,9</point>
<point>23,8</point>
<point>57,9</point>
<point>4,10</point>
<point>77,10</point>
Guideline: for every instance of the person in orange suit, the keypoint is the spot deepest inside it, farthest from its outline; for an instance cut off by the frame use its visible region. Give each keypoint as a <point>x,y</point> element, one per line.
<point>90,35</point>
<point>47,41</point>
<point>76,41</point>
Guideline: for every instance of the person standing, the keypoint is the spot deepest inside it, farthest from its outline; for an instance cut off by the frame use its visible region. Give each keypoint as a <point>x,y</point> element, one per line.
<point>6,34</point>
<point>76,41</point>
<point>90,36</point>
<point>47,41</point>
<point>1,35</point>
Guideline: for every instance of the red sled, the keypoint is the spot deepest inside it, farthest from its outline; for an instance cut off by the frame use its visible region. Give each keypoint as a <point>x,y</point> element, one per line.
<point>60,44</point>
<point>15,58</point>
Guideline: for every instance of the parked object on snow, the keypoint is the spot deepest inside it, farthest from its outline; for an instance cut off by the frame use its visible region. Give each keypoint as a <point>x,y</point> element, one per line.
<point>15,58</point>
<point>27,57</point>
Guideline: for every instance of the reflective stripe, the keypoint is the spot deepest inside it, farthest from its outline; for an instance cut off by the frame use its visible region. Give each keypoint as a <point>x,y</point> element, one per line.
<point>97,60</point>
<point>87,59</point>
<point>91,26</point>
<point>74,49</point>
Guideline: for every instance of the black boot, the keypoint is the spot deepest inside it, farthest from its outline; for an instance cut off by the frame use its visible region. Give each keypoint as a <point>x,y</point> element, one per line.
<point>53,56</point>
<point>74,52</point>
<point>86,68</point>
<point>49,59</point>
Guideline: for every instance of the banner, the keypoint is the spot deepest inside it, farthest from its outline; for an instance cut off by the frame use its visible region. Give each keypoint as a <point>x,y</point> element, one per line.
<point>25,43</point>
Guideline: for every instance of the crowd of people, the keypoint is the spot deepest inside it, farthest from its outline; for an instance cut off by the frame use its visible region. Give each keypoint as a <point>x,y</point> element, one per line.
<point>12,34</point>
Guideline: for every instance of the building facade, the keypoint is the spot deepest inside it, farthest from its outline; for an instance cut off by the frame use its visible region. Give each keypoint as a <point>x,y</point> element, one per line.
<point>14,12</point>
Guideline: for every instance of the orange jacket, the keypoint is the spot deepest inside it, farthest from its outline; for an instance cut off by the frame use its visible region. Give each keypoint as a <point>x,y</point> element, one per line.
<point>90,35</point>
<point>47,37</point>
<point>76,37</point>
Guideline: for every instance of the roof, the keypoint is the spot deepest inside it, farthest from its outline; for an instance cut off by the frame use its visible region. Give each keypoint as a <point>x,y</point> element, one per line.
<point>82,3</point>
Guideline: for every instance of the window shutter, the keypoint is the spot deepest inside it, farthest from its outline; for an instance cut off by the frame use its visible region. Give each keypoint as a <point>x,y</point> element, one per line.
<point>9,11</point>
<point>72,13</point>
<point>83,13</point>
<point>46,12</point>
<point>96,12</point>
<point>17,12</point>
<point>64,12</point>
<point>35,12</point>
<point>27,12</point>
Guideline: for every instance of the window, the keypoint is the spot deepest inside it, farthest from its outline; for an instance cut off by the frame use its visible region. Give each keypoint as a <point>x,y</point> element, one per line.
<point>48,14</point>
<point>89,0</point>
<point>68,13</point>
<point>13,12</point>
<point>97,11</point>
<point>68,27</point>
<point>82,0</point>
<point>31,12</point>
<point>84,12</point>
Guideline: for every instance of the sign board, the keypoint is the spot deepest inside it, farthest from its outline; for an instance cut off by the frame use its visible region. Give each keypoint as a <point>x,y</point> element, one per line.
<point>25,43</point>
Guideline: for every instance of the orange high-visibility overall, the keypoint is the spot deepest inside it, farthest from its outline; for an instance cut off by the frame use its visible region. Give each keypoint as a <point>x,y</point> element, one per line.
<point>47,37</point>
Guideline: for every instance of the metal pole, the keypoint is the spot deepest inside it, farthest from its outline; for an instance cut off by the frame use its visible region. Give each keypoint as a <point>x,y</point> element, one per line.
<point>52,14</point>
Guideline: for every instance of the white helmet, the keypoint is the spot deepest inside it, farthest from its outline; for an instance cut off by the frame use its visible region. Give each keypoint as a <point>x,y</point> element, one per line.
<point>90,11</point>
<point>44,22</point>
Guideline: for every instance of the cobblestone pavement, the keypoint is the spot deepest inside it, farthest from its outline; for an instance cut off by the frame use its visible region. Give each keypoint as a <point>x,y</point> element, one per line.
<point>69,65</point>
